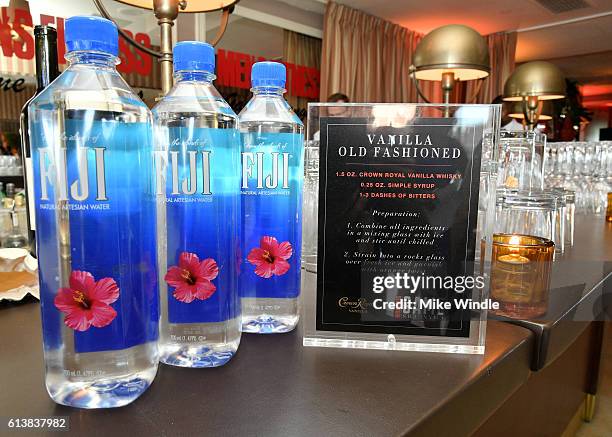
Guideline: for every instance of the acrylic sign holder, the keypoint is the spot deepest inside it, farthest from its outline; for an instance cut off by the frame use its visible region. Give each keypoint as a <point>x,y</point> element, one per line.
<point>399,211</point>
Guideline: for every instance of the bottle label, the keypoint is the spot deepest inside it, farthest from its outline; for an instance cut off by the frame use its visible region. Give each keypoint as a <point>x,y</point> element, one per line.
<point>95,214</point>
<point>197,184</point>
<point>272,178</point>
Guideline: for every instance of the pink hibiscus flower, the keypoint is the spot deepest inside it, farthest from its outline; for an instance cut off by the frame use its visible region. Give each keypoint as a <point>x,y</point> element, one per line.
<point>270,258</point>
<point>87,302</point>
<point>191,279</point>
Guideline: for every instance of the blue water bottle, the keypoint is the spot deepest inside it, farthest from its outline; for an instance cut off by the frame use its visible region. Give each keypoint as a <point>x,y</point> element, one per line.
<point>197,162</point>
<point>95,213</point>
<point>272,178</point>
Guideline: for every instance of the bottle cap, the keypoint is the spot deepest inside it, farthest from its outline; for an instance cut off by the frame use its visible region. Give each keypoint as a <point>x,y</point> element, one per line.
<point>85,33</point>
<point>194,56</point>
<point>267,73</point>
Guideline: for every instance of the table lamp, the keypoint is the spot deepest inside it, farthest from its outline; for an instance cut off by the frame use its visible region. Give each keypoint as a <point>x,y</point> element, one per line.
<point>516,111</point>
<point>531,83</point>
<point>450,53</point>
<point>166,12</point>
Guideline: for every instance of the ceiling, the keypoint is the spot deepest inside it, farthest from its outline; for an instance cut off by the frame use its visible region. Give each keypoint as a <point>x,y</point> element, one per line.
<point>543,34</point>
<point>486,16</point>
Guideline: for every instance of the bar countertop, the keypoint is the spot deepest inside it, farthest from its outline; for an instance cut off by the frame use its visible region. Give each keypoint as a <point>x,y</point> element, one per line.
<point>275,386</point>
<point>581,291</point>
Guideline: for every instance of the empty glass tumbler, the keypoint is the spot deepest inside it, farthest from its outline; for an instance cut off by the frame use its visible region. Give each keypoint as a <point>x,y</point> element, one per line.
<point>310,206</point>
<point>521,160</point>
<point>527,213</point>
<point>584,168</point>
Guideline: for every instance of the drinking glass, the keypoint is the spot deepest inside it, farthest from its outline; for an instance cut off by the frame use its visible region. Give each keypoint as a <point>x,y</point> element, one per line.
<point>521,160</point>
<point>531,213</point>
<point>570,212</point>
<point>584,168</point>
<point>310,207</point>
<point>4,165</point>
<point>560,217</point>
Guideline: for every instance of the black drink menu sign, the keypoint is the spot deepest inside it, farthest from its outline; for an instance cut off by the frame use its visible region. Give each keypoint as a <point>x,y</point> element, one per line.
<point>397,204</point>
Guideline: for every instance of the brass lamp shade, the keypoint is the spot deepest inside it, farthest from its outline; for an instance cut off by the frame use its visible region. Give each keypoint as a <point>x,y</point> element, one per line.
<point>191,5</point>
<point>454,49</point>
<point>516,110</point>
<point>535,79</point>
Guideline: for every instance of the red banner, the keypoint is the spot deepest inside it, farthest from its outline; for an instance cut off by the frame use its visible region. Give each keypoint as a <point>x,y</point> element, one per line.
<point>233,68</point>
<point>132,60</point>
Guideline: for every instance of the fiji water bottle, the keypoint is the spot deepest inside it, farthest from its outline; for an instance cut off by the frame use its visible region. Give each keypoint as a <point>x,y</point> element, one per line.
<point>197,165</point>
<point>91,147</point>
<point>272,177</point>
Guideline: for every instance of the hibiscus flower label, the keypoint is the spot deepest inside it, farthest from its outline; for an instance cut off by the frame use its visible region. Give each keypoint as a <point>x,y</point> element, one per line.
<point>192,278</point>
<point>86,302</point>
<point>270,258</point>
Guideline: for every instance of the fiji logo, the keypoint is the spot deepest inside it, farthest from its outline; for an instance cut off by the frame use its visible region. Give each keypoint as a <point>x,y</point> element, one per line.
<point>194,179</point>
<point>53,172</point>
<point>275,175</point>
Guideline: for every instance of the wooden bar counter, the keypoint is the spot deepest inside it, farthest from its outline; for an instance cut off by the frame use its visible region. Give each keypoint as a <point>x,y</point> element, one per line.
<point>531,381</point>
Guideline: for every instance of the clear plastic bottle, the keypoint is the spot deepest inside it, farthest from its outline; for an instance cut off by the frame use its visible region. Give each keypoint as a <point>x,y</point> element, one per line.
<point>197,161</point>
<point>272,179</point>
<point>95,213</point>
